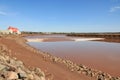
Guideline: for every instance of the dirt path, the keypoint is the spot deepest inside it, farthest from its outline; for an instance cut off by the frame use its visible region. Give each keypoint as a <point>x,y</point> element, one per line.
<point>53,71</point>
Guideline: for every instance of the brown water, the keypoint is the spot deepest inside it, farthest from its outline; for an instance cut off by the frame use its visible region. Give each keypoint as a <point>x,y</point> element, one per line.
<point>103,56</point>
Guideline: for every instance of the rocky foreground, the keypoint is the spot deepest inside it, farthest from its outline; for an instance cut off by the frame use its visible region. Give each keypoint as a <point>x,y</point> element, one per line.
<point>54,68</point>
<point>13,69</point>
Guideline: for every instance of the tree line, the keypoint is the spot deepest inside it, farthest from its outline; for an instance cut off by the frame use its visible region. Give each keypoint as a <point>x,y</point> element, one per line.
<point>101,35</point>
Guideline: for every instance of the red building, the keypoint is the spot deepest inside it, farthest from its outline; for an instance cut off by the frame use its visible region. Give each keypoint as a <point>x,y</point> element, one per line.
<point>14,30</point>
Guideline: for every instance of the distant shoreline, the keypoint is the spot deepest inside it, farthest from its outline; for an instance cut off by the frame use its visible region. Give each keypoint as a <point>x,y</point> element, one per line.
<point>62,39</point>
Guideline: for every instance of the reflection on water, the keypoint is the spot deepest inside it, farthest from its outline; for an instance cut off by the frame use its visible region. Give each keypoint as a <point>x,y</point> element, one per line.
<point>100,55</point>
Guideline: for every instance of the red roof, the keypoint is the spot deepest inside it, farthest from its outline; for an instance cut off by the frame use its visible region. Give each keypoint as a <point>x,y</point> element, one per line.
<point>13,29</point>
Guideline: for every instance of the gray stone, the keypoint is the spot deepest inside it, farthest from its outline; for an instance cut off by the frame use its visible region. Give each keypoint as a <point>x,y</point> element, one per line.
<point>100,77</point>
<point>22,75</point>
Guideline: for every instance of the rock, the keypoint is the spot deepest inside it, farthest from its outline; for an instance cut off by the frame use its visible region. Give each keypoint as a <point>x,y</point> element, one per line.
<point>82,66</point>
<point>100,77</point>
<point>13,69</point>
<point>54,59</point>
<point>22,74</point>
<point>115,78</point>
<point>2,59</point>
<point>89,73</point>
<point>11,75</point>
<point>49,76</point>
<point>72,70</point>
<point>118,78</point>
<point>2,78</point>
<point>43,78</point>
<point>36,77</point>
<point>108,76</point>
<point>7,58</point>
<point>39,72</point>
<point>19,63</point>
<point>30,77</point>
<point>11,61</point>
<point>3,48</point>
<point>10,68</point>
<point>2,67</point>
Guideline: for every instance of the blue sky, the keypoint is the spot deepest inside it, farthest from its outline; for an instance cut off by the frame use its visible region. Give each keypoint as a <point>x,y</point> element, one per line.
<point>61,15</point>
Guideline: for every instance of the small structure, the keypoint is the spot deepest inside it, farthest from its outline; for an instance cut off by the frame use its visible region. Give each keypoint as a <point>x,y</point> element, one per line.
<point>10,30</point>
<point>14,30</point>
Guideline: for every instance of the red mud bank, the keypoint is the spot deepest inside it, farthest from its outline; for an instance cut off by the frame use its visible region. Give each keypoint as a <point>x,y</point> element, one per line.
<point>53,71</point>
<point>14,69</point>
<point>53,67</point>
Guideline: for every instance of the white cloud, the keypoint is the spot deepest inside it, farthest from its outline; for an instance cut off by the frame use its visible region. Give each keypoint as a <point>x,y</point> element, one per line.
<point>116,8</point>
<point>3,13</point>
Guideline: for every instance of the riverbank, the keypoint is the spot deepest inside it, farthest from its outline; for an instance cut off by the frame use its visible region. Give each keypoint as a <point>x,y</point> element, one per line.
<point>55,68</point>
<point>34,58</point>
<point>14,69</point>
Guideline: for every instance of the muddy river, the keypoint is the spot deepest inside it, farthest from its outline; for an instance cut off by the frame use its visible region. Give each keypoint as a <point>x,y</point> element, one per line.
<point>103,56</point>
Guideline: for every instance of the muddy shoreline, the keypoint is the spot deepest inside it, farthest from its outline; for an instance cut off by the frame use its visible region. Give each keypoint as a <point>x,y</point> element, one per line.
<point>54,67</point>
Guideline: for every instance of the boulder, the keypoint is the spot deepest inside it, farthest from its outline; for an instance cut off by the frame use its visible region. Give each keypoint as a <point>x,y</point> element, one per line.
<point>2,67</point>
<point>11,75</point>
